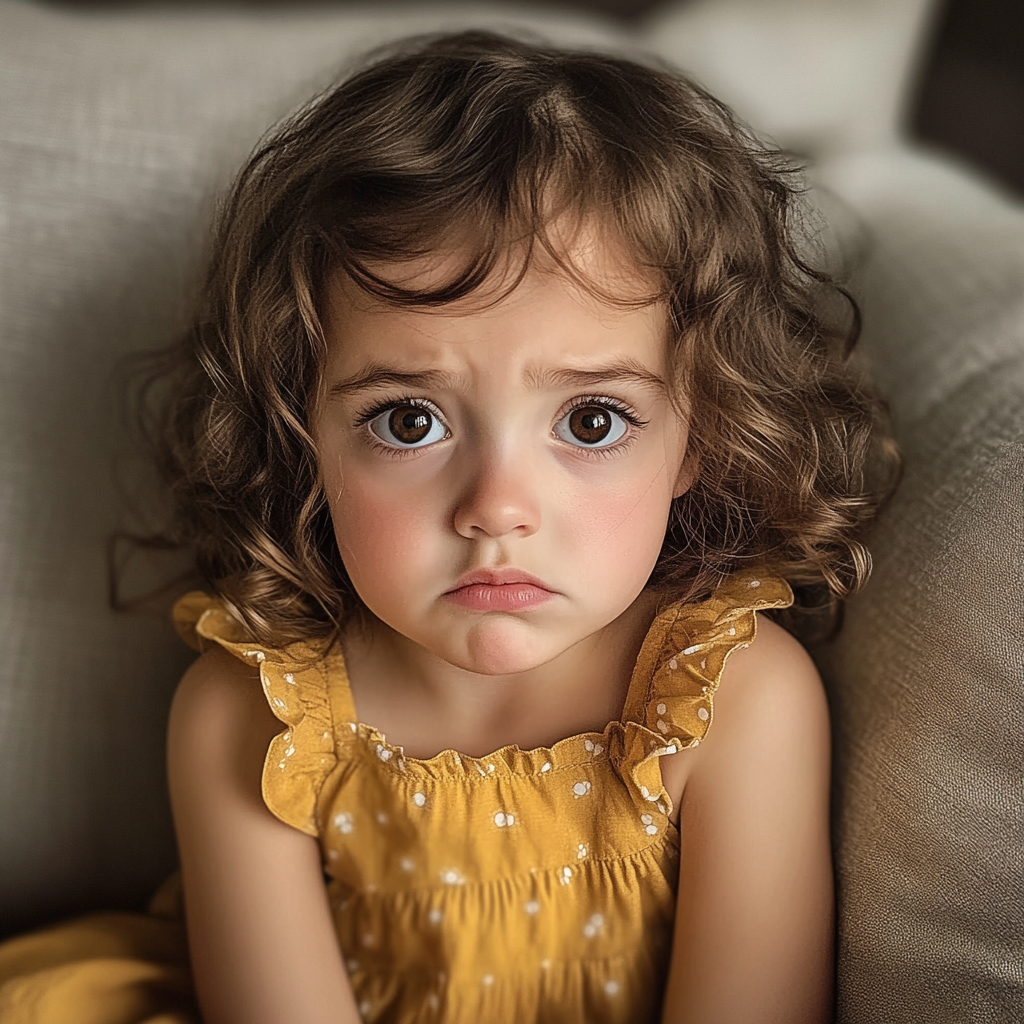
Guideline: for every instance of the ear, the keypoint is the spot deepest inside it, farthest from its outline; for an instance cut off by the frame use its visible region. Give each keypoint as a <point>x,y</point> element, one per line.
<point>686,476</point>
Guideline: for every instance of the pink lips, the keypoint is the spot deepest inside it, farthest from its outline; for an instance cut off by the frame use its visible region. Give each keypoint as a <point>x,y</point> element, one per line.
<point>499,590</point>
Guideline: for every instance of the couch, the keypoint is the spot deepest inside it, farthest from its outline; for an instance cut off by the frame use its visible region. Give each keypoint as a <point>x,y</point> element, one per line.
<point>119,127</point>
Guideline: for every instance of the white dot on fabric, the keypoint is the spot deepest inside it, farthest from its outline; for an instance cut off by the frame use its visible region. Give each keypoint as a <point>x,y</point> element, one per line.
<point>435,916</point>
<point>419,799</point>
<point>531,907</point>
<point>289,751</point>
<point>661,709</point>
<point>407,864</point>
<point>581,851</point>
<point>588,745</point>
<point>611,988</point>
<point>732,631</point>
<point>278,703</point>
<point>487,979</point>
<point>343,822</point>
<point>451,877</point>
<point>646,819</point>
<point>382,818</point>
<point>754,583</point>
<point>289,678</point>
<point>702,714</point>
<point>565,876</point>
<point>258,655</point>
<point>673,664</point>
<point>490,768</point>
<point>593,926</point>
<point>383,753</point>
<point>692,650</point>
<point>645,792</point>
<point>662,727</point>
<point>651,830</point>
<point>581,789</point>
<point>502,819</point>
<point>432,1001</point>
<point>546,766</point>
<point>598,749</point>
<point>365,1008</point>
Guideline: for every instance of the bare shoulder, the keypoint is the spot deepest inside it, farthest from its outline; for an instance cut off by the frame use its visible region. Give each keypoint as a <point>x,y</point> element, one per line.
<point>770,687</point>
<point>770,713</point>
<point>219,700</point>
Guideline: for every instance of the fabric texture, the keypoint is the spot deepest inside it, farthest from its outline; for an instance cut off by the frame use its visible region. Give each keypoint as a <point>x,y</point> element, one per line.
<point>526,885</point>
<point>926,679</point>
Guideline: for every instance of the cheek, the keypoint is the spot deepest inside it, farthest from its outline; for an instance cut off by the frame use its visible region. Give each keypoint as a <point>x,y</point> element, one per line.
<point>620,523</point>
<point>382,534</point>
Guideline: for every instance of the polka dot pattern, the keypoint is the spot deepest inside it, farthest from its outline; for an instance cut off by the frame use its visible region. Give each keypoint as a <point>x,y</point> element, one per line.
<point>434,864</point>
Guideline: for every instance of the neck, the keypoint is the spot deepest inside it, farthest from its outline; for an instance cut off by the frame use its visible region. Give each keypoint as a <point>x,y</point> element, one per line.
<point>425,704</point>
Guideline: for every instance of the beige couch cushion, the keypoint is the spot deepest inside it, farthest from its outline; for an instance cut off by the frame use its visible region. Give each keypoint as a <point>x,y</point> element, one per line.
<point>927,677</point>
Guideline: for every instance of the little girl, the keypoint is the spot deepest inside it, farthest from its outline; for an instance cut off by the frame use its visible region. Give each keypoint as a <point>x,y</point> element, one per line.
<point>510,406</point>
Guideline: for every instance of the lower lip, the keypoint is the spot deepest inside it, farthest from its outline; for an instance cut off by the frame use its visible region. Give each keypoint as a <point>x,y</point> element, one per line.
<point>506,597</point>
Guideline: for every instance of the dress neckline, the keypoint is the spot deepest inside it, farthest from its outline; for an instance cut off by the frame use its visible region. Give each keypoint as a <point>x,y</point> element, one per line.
<point>341,697</point>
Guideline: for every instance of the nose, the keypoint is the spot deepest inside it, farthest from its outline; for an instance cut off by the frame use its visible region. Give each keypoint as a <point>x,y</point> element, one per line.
<point>499,497</point>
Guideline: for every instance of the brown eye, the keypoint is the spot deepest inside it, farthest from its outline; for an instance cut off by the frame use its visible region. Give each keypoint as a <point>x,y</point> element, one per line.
<point>408,426</point>
<point>591,426</point>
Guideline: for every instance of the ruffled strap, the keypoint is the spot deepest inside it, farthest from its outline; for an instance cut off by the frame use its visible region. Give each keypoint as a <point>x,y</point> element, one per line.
<point>671,694</point>
<point>306,689</point>
<point>681,662</point>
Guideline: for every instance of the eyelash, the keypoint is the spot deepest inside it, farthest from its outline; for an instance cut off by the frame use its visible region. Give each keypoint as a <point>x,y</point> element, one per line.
<point>581,401</point>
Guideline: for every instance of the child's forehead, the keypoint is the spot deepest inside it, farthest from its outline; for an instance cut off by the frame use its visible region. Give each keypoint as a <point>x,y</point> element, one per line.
<point>574,246</point>
<point>546,332</point>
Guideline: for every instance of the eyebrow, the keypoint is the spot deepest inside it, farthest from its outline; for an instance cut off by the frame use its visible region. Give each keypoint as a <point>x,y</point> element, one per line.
<point>376,376</point>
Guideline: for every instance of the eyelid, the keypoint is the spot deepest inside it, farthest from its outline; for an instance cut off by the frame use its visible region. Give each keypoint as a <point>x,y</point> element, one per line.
<point>373,411</point>
<point>617,405</point>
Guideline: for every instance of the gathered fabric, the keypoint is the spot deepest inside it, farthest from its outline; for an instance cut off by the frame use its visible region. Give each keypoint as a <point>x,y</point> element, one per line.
<point>527,885</point>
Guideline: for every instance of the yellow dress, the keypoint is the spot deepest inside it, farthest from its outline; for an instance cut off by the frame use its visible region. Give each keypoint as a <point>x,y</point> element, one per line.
<point>524,886</point>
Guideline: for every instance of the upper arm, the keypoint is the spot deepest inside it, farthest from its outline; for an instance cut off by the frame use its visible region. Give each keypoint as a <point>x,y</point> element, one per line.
<point>754,922</point>
<point>261,938</point>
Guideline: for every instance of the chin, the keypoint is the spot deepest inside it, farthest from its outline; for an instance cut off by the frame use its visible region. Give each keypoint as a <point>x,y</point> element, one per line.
<point>500,646</point>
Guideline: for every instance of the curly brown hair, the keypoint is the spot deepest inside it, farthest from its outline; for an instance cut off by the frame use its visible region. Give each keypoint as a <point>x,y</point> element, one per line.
<point>493,137</point>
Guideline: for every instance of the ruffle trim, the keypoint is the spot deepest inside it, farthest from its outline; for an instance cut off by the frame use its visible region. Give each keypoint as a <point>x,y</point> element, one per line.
<point>669,708</point>
<point>682,661</point>
<point>295,682</point>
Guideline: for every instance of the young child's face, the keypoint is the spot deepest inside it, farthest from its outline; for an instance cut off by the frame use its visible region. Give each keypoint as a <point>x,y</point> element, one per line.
<point>534,436</point>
